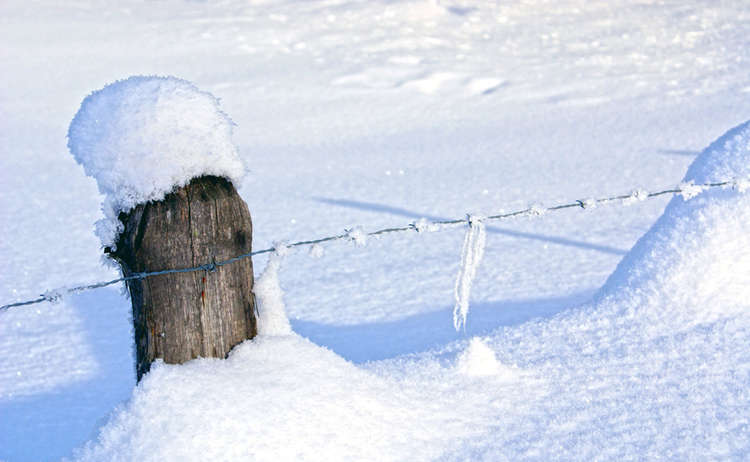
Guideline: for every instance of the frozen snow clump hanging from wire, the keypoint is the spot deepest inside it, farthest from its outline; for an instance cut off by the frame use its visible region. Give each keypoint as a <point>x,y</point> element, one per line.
<point>142,137</point>
<point>471,256</point>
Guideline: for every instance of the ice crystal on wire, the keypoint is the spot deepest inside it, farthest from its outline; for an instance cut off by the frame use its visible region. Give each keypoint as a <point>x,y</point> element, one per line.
<point>316,251</point>
<point>639,195</point>
<point>357,235</point>
<point>53,296</point>
<point>281,248</point>
<point>425,226</point>
<point>589,203</point>
<point>537,210</point>
<point>688,189</point>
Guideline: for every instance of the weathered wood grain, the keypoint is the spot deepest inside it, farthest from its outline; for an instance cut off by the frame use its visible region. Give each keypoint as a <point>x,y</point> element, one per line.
<point>178,317</point>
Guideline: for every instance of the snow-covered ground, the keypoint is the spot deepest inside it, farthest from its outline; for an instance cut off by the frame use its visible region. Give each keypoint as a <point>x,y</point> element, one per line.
<point>378,113</point>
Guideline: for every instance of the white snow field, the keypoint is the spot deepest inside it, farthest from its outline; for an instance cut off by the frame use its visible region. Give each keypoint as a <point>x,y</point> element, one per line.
<point>367,114</point>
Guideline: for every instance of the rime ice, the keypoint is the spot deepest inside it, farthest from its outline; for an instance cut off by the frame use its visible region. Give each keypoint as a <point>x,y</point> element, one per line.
<point>471,257</point>
<point>142,137</point>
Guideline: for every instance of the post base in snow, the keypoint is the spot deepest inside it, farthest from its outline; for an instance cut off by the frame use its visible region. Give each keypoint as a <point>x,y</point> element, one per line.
<point>178,317</point>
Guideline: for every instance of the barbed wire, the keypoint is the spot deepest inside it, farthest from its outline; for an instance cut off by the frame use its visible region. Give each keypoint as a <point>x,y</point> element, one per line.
<point>688,190</point>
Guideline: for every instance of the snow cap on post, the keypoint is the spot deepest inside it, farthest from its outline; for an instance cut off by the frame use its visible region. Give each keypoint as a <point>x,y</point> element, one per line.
<point>145,136</point>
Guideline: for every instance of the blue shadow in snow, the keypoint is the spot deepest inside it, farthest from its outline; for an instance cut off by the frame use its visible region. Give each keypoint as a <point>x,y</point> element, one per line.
<point>370,342</point>
<point>48,425</point>
<point>680,152</point>
<point>373,207</point>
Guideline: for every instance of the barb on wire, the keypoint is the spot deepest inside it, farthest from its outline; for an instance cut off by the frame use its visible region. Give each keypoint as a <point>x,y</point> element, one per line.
<point>686,189</point>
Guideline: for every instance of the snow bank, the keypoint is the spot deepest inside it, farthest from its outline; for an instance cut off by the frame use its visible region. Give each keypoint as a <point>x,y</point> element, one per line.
<point>283,398</point>
<point>144,136</point>
<point>656,367</point>
<point>698,253</point>
<point>275,398</point>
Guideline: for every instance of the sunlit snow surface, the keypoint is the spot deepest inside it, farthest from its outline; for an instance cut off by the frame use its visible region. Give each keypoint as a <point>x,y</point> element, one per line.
<point>357,115</point>
<point>658,366</point>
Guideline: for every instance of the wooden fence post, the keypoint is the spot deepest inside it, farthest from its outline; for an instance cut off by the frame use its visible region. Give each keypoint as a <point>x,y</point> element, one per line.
<point>178,317</point>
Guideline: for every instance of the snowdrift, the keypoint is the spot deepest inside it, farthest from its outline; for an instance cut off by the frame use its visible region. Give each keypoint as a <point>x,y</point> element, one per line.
<point>657,366</point>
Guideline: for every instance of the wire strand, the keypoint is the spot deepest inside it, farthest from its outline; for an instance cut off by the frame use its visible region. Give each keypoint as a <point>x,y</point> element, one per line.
<point>637,195</point>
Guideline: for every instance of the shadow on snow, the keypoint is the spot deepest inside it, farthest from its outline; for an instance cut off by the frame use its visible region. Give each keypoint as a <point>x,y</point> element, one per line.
<point>382,340</point>
<point>374,207</point>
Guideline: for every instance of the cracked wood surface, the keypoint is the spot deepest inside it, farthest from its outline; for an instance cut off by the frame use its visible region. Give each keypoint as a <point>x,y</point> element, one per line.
<point>178,317</point>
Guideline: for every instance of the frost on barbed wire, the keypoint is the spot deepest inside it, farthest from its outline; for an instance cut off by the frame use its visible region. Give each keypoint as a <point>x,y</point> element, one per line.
<point>53,296</point>
<point>281,248</point>
<point>639,195</point>
<point>471,256</point>
<point>316,251</point>
<point>536,210</point>
<point>424,226</point>
<point>590,203</point>
<point>142,137</point>
<point>688,189</point>
<point>357,235</point>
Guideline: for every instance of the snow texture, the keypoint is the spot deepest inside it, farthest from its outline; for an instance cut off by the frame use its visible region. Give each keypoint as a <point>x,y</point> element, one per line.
<point>471,257</point>
<point>272,319</point>
<point>274,398</point>
<point>142,137</point>
<point>655,366</point>
<point>697,242</point>
<point>741,184</point>
<point>380,113</point>
<point>478,360</point>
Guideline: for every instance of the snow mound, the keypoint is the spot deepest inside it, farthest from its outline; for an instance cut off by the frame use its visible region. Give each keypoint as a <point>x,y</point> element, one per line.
<point>478,360</point>
<point>142,137</point>
<point>284,398</point>
<point>272,399</point>
<point>698,253</point>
